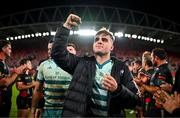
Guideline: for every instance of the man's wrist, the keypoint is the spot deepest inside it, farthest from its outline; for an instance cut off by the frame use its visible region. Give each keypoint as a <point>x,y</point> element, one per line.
<point>66,25</point>
<point>14,71</point>
<point>143,85</point>
<point>33,109</point>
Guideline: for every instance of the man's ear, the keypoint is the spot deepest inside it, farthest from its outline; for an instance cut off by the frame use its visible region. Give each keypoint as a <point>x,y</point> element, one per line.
<point>112,47</point>
<point>156,57</point>
<point>24,66</point>
<point>3,49</point>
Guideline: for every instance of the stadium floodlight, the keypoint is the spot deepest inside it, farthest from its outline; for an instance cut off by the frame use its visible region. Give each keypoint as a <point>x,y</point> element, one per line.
<point>7,39</point>
<point>154,40</point>
<point>37,34</point>
<point>151,39</point>
<point>134,36</point>
<point>47,33</point>
<point>44,34</point>
<point>147,38</point>
<point>71,32</point>
<point>19,37</point>
<point>40,34</point>
<point>53,33</point>
<point>15,37</point>
<point>86,32</point>
<point>22,36</point>
<point>142,37</point>
<point>26,36</point>
<point>11,38</point>
<point>118,34</point>
<point>139,37</point>
<point>128,35</point>
<point>32,35</point>
<point>158,40</point>
<point>29,35</point>
<point>162,41</point>
<point>75,32</point>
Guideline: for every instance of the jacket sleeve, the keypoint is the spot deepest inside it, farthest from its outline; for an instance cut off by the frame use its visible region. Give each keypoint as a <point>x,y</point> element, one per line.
<point>60,54</point>
<point>176,113</point>
<point>126,94</point>
<point>128,80</point>
<point>176,86</point>
<point>125,98</point>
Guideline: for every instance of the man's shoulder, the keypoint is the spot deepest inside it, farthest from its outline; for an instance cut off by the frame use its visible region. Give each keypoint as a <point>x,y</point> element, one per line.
<point>164,69</point>
<point>88,58</point>
<point>2,69</point>
<point>117,61</point>
<point>1,64</point>
<point>21,78</point>
<point>46,62</point>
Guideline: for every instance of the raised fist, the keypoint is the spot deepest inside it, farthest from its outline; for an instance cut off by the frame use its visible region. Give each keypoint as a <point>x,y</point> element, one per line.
<point>72,21</point>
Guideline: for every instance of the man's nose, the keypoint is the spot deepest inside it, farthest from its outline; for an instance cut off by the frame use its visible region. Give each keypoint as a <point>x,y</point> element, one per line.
<point>100,40</point>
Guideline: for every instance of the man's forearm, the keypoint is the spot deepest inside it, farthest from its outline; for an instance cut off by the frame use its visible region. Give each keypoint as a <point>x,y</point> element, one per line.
<point>5,82</point>
<point>35,99</point>
<point>24,87</point>
<point>150,89</point>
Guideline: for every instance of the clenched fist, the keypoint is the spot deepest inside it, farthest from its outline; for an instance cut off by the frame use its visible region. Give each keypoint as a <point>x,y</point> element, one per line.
<point>72,21</point>
<point>109,83</point>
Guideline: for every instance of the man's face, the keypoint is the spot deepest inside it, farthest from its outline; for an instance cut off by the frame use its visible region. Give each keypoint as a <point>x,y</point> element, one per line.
<point>7,50</point>
<point>143,64</point>
<point>153,59</point>
<point>29,65</point>
<point>71,50</point>
<point>144,78</point>
<point>103,44</point>
<point>49,49</point>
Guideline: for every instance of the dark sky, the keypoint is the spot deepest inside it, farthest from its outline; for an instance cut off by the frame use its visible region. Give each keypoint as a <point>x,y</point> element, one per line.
<point>169,9</point>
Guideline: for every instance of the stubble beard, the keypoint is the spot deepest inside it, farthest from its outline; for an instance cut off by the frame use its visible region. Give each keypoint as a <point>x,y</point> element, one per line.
<point>99,54</point>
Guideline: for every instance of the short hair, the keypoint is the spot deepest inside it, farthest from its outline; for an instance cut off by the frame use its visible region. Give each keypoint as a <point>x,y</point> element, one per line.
<point>24,61</point>
<point>107,32</point>
<point>51,41</point>
<point>72,45</point>
<point>146,55</point>
<point>139,62</point>
<point>160,53</point>
<point>128,62</point>
<point>148,62</point>
<point>3,43</point>
<point>31,57</point>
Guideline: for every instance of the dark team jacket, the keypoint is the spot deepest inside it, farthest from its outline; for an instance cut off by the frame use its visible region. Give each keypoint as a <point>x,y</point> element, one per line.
<point>78,98</point>
<point>176,86</point>
<point>162,75</point>
<point>26,79</point>
<point>5,92</point>
<point>146,101</point>
<point>176,113</point>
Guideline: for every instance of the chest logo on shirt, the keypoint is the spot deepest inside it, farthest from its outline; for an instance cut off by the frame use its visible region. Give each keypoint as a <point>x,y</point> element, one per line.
<point>2,75</point>
<point>57,72</point>
<point>49,67</point>
<point>121,72</point>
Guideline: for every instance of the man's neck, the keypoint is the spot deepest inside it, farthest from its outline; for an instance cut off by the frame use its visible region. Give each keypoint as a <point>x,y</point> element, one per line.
<point>2,56</point>
<point>161,63</point>
<point>27,72</point>
<point>148,68</point>
<point>102,59</point>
